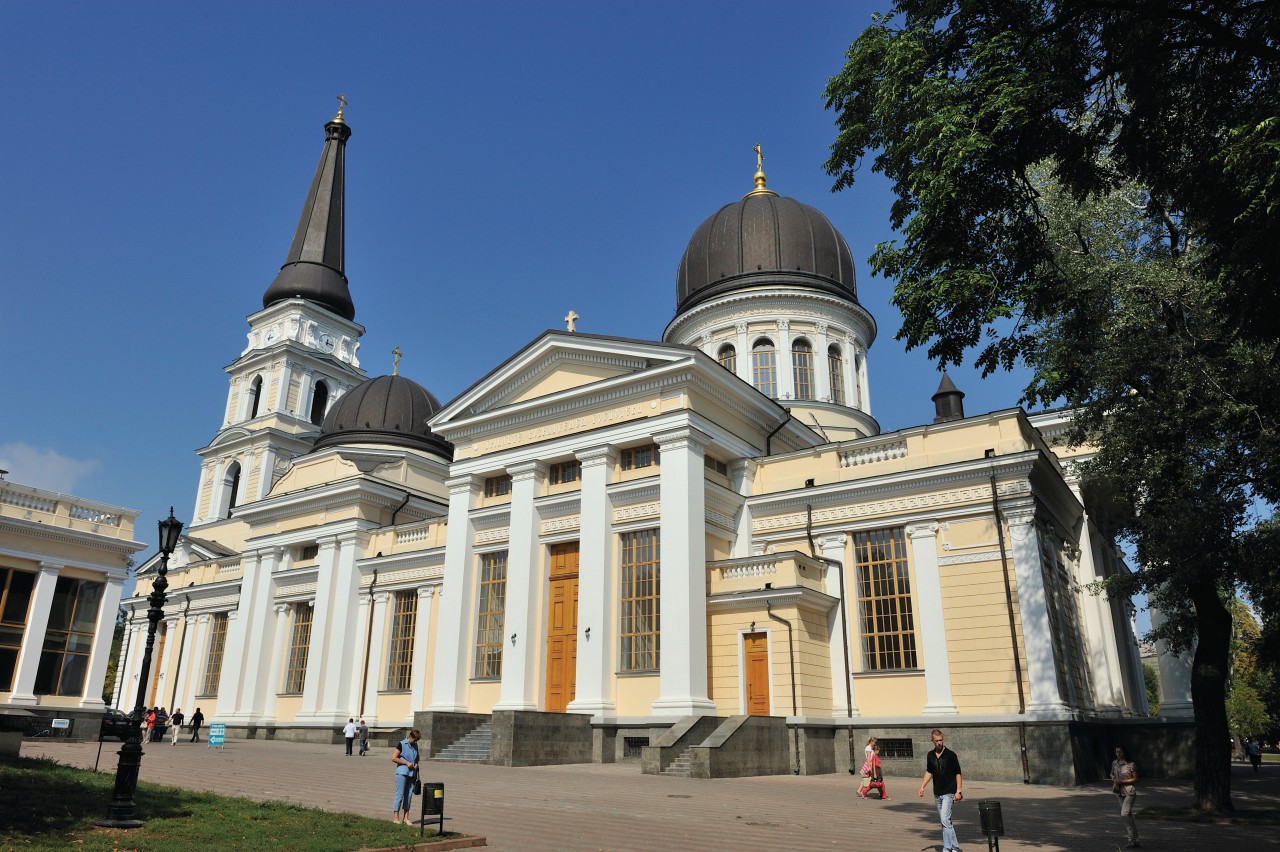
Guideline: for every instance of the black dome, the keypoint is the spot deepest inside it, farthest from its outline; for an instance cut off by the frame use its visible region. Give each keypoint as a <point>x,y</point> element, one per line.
<point>764,239</point>
<point>387,410</point>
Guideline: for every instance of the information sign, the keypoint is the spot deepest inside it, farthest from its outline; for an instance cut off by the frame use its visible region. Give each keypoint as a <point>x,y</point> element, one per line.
<point>217,735</point>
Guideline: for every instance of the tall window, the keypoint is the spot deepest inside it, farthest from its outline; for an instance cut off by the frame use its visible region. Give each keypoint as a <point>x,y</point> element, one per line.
<point>884,592</point>
<point>764,367</point>
<point>295,676</point>
<point>640,587</point>
<point>728,357</point>
<point>835,368</point>
<point>802,368</point>
<point>490,616</point>
<point>15,598</point>
<point>497,486</point>
<point>213,663</point>
<point>68,639</point>
<point>319,402</point>
<point>404,619</point>
<point>255,396</point>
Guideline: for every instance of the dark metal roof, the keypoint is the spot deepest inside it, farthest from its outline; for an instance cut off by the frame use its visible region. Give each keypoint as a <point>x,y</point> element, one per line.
<point>388,410</point>
<point>313,269</point>
<point>948,401</point>
<point>761,240</point>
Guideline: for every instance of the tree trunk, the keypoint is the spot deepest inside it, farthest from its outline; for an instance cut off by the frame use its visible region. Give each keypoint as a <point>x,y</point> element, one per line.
<point>1209,696</point>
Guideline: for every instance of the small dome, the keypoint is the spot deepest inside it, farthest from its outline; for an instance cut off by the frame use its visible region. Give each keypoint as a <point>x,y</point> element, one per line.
<point>387,410</point>
<point>764,239</point>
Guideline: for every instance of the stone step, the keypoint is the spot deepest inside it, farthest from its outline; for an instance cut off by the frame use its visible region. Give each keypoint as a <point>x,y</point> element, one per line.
<point>472,748</point>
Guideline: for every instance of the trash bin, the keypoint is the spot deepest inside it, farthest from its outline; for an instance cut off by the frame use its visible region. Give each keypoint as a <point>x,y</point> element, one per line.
<point>992,819</point>
<point>433,798</point>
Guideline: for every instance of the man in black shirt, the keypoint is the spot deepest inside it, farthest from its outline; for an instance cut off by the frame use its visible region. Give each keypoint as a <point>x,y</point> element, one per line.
<point>943,767</point>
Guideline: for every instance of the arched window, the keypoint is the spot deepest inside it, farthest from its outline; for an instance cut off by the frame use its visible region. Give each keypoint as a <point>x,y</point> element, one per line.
<point>728,357</point>
<point>230,490</point>
<point>255,396</point>
<point>319,402</point>
<point>802,368</point>
<point>835,367</point>
<point>764,367</point>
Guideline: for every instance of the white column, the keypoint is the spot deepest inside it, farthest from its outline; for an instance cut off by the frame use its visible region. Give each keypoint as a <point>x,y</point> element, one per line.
<point>161,660</point>
<point>821,373</point>
<point>742,473</point>
<point>376,653</point>
<point>597,596</point>
<point>278,649</point>
<point>1175,676</point>
<point>102,638</point>
<point>232,670</point>
<point>306,386</point>
<point>186,657</point>
<point>1105,666</point>
<point>1037,638</point>
<point>24,681</point>
<point>129,692</point>
<point>342,641</point>
<point>283,377</point>
<point>833,549</point>
<point>786,380</point>
<point>743,363</point>
<point>327,570</point>
<point>201,631</point>
<point>453,648</point>
<point>421,647</point>
<point>931,620</point>
<point>526,570</point>
<point>258,628</point>
<point>683,575</point>
<point>268,465</point>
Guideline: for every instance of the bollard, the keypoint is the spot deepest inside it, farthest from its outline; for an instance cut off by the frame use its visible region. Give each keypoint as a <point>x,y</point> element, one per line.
<point>992,823</point>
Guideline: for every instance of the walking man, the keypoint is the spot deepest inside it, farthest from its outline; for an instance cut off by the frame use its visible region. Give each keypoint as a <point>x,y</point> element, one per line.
<point>943,767</point>
<point>349,731</point>
<point>175,725</point>
<point>197,719</point>
<point>364,737</point>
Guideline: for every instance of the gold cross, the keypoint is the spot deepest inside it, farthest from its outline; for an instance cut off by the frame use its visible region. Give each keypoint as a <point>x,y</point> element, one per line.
<point>342,104</point>
<point>759,157</point>
<point>395,366</point>
<point>570,319</point>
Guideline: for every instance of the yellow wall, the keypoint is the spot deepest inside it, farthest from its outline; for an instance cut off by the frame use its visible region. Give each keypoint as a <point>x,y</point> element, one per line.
<point>636,693</point>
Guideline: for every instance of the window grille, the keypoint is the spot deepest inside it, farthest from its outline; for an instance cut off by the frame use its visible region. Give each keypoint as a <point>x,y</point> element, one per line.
<point>802,369</point>
<point>491,615</point>
<point>884,595</point>
<point>404,620</point>
<point>295,675</point>
<point>764,368</point>
<point>640,590</point>
<point>68,637</point>
<point>213,662</point>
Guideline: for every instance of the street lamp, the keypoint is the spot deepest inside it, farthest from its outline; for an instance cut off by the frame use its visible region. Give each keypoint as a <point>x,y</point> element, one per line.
<point>121,813</point>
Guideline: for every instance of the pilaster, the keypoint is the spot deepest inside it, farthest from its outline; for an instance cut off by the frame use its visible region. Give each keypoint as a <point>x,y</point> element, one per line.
<point>597,595</point>
<point>786,380</point>
<point>421,644</point>
<point>278,649</point>
<point>683,572</point>
<point>525,573</point>
<point>743,358</point>
<point>375,678</point>
<point>448,690</point>
<point>313,708</point>
<point>1037,639</point>
<point>24,681</point>
<point>742,474</point>
<point>843,699</point>
<point>102,638</point>
<point>931,621</point>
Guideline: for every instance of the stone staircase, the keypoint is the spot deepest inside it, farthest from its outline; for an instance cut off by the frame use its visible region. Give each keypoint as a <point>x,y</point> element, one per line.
<point>473,748</point>
<point>680,766</point>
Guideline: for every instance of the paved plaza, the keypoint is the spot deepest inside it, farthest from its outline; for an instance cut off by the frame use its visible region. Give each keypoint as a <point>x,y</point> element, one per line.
<point>584,808</point>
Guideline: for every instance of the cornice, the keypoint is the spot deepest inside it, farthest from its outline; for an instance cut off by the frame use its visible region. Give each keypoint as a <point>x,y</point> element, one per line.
<point>122,550</point>
<point>802,597</point>
<point>340,494</point>
<point>787,302</point>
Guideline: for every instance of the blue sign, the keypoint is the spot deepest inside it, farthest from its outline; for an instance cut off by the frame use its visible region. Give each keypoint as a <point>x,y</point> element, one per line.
<point>217,735</point>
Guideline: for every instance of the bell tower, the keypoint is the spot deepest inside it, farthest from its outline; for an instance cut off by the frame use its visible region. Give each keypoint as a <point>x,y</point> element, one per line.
<point>300,357</point>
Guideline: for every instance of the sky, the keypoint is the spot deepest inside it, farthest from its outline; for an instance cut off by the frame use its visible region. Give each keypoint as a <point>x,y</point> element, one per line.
<point>509,161</point>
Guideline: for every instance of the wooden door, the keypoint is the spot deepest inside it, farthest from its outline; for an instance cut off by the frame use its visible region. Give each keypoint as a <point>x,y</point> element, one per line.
<point>755,655</point>
<point>562,628</point>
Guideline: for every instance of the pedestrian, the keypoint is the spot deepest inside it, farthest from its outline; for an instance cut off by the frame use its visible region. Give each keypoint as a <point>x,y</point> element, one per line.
<point>151,725</point>
<point>197,719</point>
<point>876,779</point>
<point>1124,778</point>
<point>943,767</point>
<point>1255,753</point>
<point>868,753</point>
<point>364,737</point>
<point>406,761</point>
<point>349,732</point>
<point>175,725</point>
<point>162,723</point>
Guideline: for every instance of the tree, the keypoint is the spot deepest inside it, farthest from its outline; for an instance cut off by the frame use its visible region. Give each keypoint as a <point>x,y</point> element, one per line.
<point>1076,183</point>
<point>1151,686</point>
<point>1247,712</point>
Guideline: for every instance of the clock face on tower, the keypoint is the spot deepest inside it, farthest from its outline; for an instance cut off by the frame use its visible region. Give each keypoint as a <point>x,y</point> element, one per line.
<point>327,342</point>
<point>271,336</point>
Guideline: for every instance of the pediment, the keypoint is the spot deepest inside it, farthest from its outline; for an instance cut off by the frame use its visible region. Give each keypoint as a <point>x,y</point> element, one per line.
<point>555,364</point>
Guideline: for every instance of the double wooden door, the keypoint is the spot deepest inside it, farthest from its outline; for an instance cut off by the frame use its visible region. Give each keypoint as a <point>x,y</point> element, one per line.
<point>562,628</point>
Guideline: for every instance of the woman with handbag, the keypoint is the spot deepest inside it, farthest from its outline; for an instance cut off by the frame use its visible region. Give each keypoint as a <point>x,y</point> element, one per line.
<point>406,761</point>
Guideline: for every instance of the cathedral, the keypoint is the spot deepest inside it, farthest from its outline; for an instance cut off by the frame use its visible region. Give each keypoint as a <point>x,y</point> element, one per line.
<point>698,553</point>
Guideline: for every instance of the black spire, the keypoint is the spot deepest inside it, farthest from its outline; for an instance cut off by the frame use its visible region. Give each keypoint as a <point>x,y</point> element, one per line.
<point>313,269</point>
<point>948,401</point>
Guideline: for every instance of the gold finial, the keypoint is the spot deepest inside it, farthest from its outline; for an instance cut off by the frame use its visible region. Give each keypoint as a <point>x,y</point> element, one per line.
<point>571,319</point>
<point>342,104</point>
<point>760,189</point>
<point>395,365</point>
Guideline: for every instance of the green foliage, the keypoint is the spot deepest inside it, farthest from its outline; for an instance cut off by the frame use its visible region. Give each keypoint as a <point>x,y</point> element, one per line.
<point>1251,677</point>
<point>58,804</point>
<point>1151,686</point>
<point>113,659</point>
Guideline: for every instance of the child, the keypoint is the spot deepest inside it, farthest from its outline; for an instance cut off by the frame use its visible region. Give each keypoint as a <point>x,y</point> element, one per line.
<point>875,781</point>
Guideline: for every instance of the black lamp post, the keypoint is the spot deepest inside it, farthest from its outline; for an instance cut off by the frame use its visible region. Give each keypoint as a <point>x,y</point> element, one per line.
<point>122,813</point>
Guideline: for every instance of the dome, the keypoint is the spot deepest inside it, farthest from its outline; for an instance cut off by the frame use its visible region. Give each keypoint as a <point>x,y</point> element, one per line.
<point>764,239</point>
<point>388,410</point>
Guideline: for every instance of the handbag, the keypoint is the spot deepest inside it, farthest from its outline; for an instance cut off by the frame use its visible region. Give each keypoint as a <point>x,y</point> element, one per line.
<point>417,786</point>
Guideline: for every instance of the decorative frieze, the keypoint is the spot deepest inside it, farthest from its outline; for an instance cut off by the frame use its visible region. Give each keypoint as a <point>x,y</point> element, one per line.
<point>635,512</point>
<point>969,558</point>
<point>857,510</point>
<point>490,536</point>
<point>558,525</point>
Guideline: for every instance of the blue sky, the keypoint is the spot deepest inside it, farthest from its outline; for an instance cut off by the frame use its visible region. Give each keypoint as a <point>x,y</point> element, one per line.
<point>509,162</point>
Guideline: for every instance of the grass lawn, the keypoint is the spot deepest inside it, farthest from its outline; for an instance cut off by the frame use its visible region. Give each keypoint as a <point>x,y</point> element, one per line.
<point>45,805</point>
